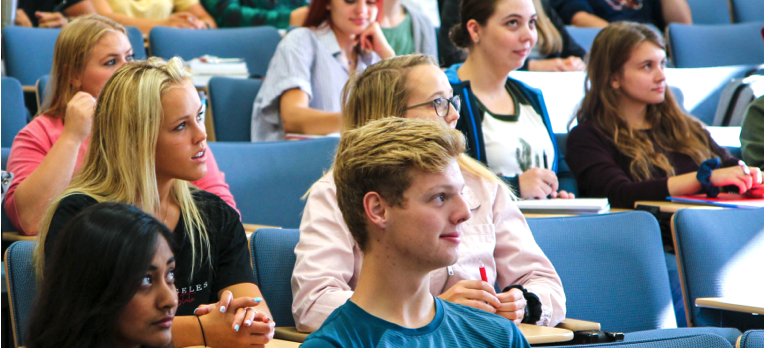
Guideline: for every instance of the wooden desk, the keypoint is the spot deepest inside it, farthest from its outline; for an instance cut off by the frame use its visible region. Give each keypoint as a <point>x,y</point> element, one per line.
<point>533,333</point>
<point>16,237</point>
<point>543,334</point>
<point>276,343</point>
<point>736,305</point>
<point>535,215</point>
<point>671,207</point>
<point>29,89</point>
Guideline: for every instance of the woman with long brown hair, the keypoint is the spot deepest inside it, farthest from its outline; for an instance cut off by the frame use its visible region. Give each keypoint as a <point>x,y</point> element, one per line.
<point>633,142</point>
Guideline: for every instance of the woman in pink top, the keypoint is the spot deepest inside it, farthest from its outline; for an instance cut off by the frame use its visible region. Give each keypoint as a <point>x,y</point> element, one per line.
<point>497,235</point>
<point>48,151</point>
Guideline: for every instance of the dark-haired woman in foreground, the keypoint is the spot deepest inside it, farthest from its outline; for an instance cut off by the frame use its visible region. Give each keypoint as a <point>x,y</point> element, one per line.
<point>110,282</point>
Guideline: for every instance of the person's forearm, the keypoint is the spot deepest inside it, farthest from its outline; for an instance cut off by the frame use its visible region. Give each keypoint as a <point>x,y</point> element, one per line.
<point>586,19</point>
<point>48,180</point>
<point>186,332</point>
<point>84,7</point>
<point>144,25</point>
<point>676,11</point>
<point>304,120</point>
<point>685,184</point>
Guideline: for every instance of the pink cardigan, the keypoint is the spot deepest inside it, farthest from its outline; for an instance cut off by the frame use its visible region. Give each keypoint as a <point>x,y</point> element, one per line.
<point>329,262</point>
<point>35,140</point>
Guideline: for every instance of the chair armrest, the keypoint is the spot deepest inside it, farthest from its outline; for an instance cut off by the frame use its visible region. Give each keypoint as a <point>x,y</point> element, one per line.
<point>289,333</point>
<point>578,325</point>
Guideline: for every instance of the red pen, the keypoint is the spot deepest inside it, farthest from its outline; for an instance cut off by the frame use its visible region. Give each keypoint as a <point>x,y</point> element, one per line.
<point>483,276</point>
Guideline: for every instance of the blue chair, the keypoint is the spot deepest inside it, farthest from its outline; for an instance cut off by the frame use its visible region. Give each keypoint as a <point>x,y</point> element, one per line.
<point>268,180</point>
<point>231,101</point>
<point>29,51</point>
<point>6,153</point>
<point>14,113</point>
<point>710,11</point>
<point>40,92</point>
<point>612,267</point>
<point>697,45</point>
<point>719,252</point>
<point>273,261</point>
<point>255,44</point>
<point>752,339</point>
<point>747,10</point>
<point>5,222</point>
<point>20,279</point>
<point>583,36</point>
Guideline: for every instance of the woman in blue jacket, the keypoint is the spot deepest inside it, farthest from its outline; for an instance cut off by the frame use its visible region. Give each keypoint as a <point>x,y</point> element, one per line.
<point>505,121</point>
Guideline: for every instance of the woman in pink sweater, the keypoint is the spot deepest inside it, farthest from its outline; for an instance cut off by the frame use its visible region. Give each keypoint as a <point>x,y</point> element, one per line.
<point>49,150</point>
<point>496,235</point>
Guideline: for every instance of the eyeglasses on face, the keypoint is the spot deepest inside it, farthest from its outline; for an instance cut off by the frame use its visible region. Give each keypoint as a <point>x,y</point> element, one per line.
<point>442,105</point>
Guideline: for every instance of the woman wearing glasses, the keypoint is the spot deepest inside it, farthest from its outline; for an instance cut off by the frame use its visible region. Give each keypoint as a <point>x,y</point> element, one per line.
<point>505,121</point>
<point>496,235</point>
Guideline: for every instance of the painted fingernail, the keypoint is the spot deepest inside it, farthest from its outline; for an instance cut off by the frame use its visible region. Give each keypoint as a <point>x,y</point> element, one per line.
<point>222,309</point>
<point>248,322</point>
<point>258,299</point>
<point>195,310</point>
<point>236,327</point>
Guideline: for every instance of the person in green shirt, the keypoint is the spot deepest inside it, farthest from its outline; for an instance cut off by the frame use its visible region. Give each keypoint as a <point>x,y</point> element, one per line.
<point>247,13</point>
<point>407,30</point>
<point>752,134</point>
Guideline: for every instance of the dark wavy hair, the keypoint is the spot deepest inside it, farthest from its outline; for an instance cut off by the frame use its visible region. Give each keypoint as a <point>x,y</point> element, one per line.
<point>480,11</point>
<point>95,269</point>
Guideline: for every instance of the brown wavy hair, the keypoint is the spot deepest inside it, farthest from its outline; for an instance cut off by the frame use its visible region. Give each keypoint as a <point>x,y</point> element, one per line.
<point>674,131</point>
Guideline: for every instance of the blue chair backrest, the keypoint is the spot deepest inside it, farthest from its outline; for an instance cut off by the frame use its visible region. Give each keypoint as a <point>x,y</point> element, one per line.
<point>752,339</point>
<point>29,51</point>
<point>747,10</point>
<point>583,36</point>
<point>13,112</point>
<point>268,179</point>
<point>21,284</point>
<point>135,37</point>
<point>697,45</point>
<point>612,267</point>
<point>40,92</point>
<point>719,253</point>
<point>5,222</point>
<point>710,11</point>
<point>273,261</point>
<point>231,101</point>
<point>255,44</point>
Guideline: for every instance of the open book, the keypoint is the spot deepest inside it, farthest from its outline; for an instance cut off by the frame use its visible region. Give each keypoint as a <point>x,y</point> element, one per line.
<point>564,206</point>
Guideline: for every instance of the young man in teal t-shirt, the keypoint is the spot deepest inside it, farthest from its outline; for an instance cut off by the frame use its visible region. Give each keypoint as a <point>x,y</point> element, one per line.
<point>399,190</point>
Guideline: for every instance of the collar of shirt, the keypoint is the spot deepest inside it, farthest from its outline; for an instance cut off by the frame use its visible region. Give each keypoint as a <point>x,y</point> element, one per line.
<point>326,38</point>
<point>469,196</point>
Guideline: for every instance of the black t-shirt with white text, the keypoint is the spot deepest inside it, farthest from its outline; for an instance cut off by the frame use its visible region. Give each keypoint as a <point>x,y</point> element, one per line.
<point>228,246</point>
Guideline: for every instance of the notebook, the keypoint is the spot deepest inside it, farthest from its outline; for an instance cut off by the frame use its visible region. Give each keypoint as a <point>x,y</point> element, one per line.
<point>564,206</point>
<point>727,200</point>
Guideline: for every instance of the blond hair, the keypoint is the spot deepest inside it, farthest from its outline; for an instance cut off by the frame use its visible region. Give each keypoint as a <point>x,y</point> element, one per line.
<point>380,156</point>
<point>120,165</point>
<point>72,52</point>
<point>550,40</point>
<point>382,91</point>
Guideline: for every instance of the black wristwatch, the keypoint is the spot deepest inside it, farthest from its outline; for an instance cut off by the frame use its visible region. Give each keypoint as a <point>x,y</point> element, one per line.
<point>532,306</point>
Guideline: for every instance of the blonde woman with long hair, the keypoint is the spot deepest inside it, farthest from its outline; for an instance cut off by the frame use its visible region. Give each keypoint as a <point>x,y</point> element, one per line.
<point>497,235</point>
<point>50,149</point>
<point>148,142</point>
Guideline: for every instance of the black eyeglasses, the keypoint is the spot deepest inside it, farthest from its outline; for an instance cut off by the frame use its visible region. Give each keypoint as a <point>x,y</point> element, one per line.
<point>442,105</point>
